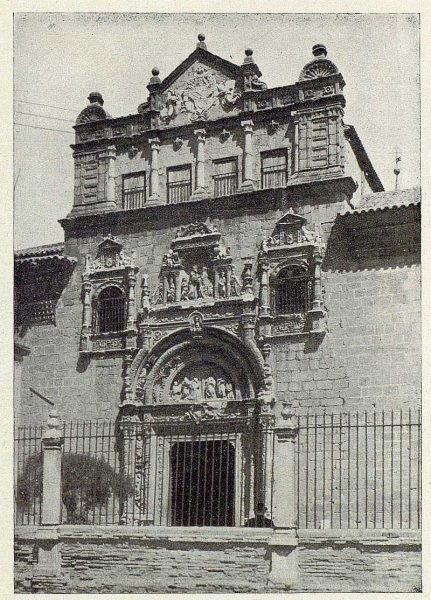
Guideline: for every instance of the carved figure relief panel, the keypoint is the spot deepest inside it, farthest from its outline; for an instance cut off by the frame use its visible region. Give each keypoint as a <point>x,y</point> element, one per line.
<point>200,93</point>
<point>207,382</point>
<point>197,267</point>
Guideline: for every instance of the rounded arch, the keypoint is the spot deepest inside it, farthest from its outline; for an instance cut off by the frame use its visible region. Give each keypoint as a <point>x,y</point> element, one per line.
<point>109,308</point>
<point>184,355</point>
<point>290,263</point>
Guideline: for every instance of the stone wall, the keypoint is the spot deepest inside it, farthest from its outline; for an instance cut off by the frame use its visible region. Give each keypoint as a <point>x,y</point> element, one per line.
<point>369,358</point>
<point>194,560</point>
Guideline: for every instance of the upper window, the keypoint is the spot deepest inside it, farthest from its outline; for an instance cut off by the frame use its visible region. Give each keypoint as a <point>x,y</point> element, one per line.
<point>109,311</point>
<point>225,177</point>
<point>179,184</point>
<point>134,192</point>
<point>292,291</point>
<point>274,168</point>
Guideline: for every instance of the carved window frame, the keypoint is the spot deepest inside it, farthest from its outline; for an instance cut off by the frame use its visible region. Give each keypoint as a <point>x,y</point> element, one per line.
<point>111,267</point>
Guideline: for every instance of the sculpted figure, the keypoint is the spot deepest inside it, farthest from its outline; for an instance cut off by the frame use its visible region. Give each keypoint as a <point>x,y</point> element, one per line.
<point>222,285</point>
<point>195,389</point>
<point>221,388</point>
<point>171,292</point>
<point>210,390</point>
<point>176,391</point>
<point>235,284</point>
<point>229,392</point>
<point>184,289</point>
<point>185,389</point>
<point>194,282</point>
<point>205,284</point>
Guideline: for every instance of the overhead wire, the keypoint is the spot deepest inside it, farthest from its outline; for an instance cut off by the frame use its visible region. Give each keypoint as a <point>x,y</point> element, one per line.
<point>46,128</point>
<point>19,112</point>
<point>74,110</point>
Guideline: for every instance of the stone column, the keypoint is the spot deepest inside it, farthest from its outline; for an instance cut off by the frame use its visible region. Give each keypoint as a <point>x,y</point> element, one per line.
<point>317,286</point>
<point>131,304</point>
<point>201,189</point>
<point>154,169</point>
<point>86,307</point>
<point>283,544</point>
<point>248,160</point>
<point>264,291</point>
<point>109,156</point>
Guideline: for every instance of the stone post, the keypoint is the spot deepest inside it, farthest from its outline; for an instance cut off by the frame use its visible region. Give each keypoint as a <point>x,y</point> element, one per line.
<point>47,544</point>
<point>52,442</point>
<point>283,544</point>
<point>201,189</point>
<point>154,169</point>
<point>247,174</point>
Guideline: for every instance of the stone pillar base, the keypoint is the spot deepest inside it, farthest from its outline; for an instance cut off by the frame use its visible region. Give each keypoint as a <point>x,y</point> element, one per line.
<point>284,551</point>
<point>199,194</point>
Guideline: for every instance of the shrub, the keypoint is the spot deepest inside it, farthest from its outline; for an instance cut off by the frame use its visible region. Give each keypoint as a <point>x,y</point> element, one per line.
<point>87,483</point>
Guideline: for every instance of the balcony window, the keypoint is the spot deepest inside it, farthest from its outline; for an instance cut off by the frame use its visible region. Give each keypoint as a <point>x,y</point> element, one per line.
<point>179,184</point>
<point>225,177</point>
<point>274,168</point>
<point>292,291</point>
<point>134,193</point>
<point>109,311</point>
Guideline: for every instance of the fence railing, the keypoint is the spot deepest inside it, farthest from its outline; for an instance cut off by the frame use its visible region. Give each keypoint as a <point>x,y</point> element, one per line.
<point>352,470</point>
<point>359,470</point>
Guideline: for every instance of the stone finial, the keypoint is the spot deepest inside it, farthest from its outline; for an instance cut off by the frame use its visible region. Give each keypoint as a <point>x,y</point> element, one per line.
<point>319,50</point>
<point>248,57</point>
<point>52,429</point>
<point>155,79</point>
<point>201,42</point>
<point>95,98</point>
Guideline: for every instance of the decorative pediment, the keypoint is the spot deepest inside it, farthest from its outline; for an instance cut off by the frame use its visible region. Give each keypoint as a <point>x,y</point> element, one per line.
<point>291,231</point>
<point>94,111</point>
<point>110,257</point>
<point>319,67</point>
<point>199,93</point>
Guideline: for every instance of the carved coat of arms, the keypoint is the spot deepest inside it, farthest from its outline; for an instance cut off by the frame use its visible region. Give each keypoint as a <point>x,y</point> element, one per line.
<point>198,95</point>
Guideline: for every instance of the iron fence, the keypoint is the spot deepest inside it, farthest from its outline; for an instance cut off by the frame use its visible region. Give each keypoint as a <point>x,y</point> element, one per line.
<point>359,470</point>
<point>353,470</point>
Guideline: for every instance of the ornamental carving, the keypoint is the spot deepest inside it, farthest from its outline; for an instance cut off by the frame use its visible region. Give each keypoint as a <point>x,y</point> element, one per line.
<point>197,267</point>
<point>318,68</point>
<point>110,257</point>
<point>213,385</point>
<point>197,94</point>
<point>289,231</point>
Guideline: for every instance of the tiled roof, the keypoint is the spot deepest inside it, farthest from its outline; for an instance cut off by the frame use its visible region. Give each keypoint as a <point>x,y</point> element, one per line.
<point>38,253</point>
<point>386,201</point>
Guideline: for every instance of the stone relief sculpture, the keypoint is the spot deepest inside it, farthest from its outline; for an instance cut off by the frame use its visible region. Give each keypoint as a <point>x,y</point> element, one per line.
<point>197,267</point>
<point>199,389</point>
<point>202,90</point>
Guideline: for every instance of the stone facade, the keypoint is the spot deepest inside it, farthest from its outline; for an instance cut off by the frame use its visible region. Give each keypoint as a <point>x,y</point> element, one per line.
<point>260,270</point>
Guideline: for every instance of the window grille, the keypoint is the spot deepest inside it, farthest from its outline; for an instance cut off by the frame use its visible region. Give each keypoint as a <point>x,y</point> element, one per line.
<point>134,190</point>
<point>109,311</point>
<point>179,184</point>
<point>274,168</point>
<point>292,291</point>
<point>225,177</point>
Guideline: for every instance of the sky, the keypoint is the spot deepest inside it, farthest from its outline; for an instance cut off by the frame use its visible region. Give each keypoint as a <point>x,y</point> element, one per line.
<point>60,57</point>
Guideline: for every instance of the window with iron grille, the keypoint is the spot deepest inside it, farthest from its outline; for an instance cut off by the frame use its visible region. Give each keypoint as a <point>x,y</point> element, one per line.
<point>179,184</point>
<point>292,291</point>
<point>274,168</point>
<point>225,177</point>
<point>109,311</point>
<point>134,190</point>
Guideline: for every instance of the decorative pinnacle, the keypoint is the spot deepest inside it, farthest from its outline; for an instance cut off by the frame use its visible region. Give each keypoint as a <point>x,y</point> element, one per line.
<point>248,57</point>
<point>319,50</point>
<point>201,42</point>
<point>95,98</point>
<point>155,76</point>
